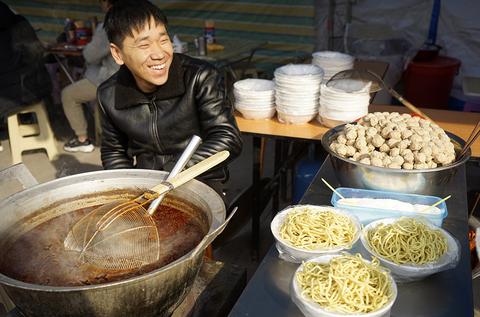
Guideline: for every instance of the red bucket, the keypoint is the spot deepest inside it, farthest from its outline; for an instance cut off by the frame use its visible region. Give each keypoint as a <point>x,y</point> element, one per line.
<point>428,83</point>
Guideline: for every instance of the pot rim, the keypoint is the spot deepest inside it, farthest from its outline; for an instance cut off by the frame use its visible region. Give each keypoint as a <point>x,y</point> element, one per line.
<point>5,280</point>
<point>333,131</point>
<point>11,282</point>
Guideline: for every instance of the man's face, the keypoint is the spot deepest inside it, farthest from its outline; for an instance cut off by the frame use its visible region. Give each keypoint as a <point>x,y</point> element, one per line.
<point>147,54</point>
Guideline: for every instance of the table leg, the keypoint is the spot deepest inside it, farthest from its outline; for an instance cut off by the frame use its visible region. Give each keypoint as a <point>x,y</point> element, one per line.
<point>64,68</point>
<point>276,168</point>
<point>255,204</point>
<point>284,157</point>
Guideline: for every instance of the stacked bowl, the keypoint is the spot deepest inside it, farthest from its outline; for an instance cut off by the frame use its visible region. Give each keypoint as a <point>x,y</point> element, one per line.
<point>332,62</point>
<point>297,90</point>
<point>255,98</point>
<point>344,102</point>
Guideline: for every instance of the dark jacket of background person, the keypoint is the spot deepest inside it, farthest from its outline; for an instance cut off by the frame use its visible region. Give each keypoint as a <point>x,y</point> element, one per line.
<point>23,76</point>
<point>155,128</point>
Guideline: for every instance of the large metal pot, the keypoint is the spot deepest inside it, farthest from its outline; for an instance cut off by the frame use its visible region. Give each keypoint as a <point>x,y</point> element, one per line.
<point>156,293</point>
<point>424,181</point>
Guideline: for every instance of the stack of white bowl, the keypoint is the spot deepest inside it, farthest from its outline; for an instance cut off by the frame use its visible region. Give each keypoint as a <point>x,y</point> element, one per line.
<point>297,88</point>
<point>345,101</point>
<point>255,98</point>
<point>332,62</point>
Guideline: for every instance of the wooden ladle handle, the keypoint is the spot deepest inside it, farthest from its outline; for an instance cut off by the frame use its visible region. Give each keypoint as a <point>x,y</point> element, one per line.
<point>191,172</point>
<point>399,97</point>
<point>409,105</point>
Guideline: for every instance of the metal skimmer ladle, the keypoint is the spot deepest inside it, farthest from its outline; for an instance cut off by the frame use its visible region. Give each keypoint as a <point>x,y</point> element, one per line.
<point>182,161</point>
<point>122,234</point>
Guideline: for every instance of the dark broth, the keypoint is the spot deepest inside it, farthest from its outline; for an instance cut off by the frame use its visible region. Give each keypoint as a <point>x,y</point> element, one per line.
<point>39,256</point>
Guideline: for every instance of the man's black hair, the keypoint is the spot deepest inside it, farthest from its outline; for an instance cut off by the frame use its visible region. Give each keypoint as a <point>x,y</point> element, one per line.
<point>129,15</point>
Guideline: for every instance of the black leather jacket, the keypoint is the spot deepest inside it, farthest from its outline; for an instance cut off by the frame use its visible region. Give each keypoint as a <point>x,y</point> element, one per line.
<point>151,130</point>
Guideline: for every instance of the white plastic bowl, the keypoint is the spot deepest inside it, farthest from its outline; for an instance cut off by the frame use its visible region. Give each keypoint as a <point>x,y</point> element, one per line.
<point>254,103</point>
<point>298,81</point>
<point>342,113</point>
<point>252,100</point>
<point>332,62</point>
<point>257,114</point>
<point>329,123</point>
<point>410,272</point>
<point>334,118</point>
<point>298,111</point>
<point>292,107</point>
<point>310,308</point>
<point>337,57</point>
<point>352,104</point>
<point>254,94</point>
<point>255,106</point>
<point>338,106</point>
<point>254,84</point>
<point>298,71</point>
<point>294,254</point>
<point>309,94</point>
<point>295,119</point>
<point>350,86</point>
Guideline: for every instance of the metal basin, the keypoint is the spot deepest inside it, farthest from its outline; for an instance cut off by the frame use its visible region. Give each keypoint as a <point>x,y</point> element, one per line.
<point>423,181</point>
<point>156,293</point>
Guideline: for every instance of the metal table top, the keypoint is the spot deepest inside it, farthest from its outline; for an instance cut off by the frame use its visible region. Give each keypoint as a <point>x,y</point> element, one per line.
<point>447,293</point>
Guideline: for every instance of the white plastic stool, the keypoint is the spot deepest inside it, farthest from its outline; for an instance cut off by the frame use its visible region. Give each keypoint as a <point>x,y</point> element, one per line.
<point>6,301</point>
<point>25,137</point>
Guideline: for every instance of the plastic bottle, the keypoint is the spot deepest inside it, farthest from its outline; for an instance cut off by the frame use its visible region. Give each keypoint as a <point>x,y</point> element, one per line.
<point>69,31</point>
<point>201,43</point>
<point>209,31</point>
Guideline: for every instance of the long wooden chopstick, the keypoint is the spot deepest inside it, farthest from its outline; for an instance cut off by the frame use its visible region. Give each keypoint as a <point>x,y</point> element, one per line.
<point>471,139</point>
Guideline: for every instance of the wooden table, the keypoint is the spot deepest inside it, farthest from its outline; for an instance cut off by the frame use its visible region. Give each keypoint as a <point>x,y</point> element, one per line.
<point>456,122</point>
<point>445,294</point>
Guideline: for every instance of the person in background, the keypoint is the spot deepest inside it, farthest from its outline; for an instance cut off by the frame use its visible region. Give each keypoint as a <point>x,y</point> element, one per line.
<point>24,78</point>
<point>159,99</point>
<point>100,66</point>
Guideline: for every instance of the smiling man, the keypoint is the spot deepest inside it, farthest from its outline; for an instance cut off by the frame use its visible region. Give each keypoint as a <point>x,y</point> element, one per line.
<point>158,99</point>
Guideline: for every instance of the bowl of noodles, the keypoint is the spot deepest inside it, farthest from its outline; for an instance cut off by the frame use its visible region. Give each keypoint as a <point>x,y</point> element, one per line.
<point>303,232</point>
<point>411,248</point>
<point>335,285</point>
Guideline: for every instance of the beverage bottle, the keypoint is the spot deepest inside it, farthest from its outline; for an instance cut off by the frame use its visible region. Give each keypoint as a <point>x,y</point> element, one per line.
<point>69,30</point>
<point>201,44</point>
<point>209,31</point>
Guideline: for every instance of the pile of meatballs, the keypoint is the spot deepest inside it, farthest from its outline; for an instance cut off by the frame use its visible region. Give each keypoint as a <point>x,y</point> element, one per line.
<point>395,140</point>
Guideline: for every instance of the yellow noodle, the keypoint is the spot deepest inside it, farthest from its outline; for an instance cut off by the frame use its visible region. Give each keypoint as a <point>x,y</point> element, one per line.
<point>347,284</point>
<point>407,241</point>
<point>311,229</point>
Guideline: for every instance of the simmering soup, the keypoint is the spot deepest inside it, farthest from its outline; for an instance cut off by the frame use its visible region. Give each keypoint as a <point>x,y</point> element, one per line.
<point>39,256</point>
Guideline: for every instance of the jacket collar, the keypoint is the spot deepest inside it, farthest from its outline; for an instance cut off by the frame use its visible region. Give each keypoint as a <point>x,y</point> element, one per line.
<point>127,94</point>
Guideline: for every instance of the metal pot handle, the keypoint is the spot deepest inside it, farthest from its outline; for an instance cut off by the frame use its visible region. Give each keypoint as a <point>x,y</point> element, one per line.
<point>19,172</point>
<point>212,235</point>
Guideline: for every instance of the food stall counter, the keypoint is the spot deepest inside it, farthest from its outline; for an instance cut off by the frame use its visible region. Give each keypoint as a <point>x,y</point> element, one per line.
<point>447,293</point>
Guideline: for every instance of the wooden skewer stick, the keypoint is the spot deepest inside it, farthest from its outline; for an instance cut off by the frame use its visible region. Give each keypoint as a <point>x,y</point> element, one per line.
<point>471,138</point>
<point>436,204</point>
<point>333,189</point>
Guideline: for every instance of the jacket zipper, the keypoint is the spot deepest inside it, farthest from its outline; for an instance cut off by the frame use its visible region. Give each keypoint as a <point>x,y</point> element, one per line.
<point>153,109</point>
